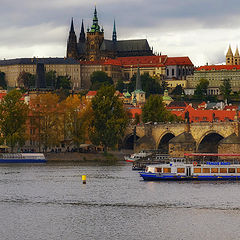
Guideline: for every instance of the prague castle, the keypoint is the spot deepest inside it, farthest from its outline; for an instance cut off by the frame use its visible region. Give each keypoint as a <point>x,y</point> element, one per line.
<point>94,47</point>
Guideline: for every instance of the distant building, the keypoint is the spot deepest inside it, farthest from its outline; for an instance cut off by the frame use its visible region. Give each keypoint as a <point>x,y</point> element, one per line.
<point>95,47</point>
<point>63,67</point>
<point>215,74</point>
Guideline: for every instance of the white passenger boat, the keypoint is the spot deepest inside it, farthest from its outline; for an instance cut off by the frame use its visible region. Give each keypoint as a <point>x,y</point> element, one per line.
<point>137,156</point>
<point>192,171</point>
<point>22,158</point>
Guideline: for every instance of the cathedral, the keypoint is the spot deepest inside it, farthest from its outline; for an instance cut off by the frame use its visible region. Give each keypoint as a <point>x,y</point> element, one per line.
<point>232,59</point>
<point>92,46</point>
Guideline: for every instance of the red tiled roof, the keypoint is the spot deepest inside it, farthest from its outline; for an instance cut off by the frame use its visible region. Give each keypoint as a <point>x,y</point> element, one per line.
<point>232,107</point>
<point>178,61</point>
<point>91,93</point>
<point>2,95</point>
<point>135,111</point>
<point>143,61</point>
<point>219,67</point>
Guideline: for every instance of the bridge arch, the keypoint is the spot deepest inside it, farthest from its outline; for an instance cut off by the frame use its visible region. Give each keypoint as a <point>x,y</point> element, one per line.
<point>128,141</point>
<point>163,143</point>
<point>209,142</point>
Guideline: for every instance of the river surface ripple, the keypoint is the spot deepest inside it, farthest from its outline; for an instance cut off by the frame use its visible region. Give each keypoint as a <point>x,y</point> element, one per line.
<point>49,201</point>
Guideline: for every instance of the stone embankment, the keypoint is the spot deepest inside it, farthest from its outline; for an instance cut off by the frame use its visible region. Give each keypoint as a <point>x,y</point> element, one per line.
<point>81,157</point>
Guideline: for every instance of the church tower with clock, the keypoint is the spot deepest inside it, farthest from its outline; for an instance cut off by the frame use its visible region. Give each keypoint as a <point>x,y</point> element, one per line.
<point>95,37</point>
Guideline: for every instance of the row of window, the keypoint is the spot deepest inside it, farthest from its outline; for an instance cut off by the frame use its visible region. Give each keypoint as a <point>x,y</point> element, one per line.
<point>201,170</point>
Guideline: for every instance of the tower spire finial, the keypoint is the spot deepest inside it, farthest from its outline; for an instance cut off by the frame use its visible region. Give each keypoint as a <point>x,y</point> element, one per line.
<point>82,37</point>
<point>114,36</point>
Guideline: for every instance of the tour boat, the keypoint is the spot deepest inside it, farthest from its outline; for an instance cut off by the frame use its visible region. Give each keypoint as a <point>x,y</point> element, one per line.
<point>137,156</point>
<point>192,171</point>
<point>22,158</point>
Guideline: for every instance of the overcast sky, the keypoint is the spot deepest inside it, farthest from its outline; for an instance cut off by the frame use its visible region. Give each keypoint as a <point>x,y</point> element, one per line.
<point>200,29</point>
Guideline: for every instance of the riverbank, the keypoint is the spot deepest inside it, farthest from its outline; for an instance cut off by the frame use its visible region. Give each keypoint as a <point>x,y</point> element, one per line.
<point>82,157</point>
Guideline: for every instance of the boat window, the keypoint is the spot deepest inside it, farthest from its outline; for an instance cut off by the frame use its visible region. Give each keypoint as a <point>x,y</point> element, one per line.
<point>206,170</point>
<point>181,170</point>
<point>158,169</point>
<point>197,170</point>
<point>167,170</point>
<point>238,170</point>
<point>223,170</point>
<point>214,170</point>
<point>231,170</point>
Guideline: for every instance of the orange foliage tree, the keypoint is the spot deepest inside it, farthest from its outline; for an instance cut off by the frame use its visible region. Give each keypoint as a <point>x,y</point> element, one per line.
<point>47,118</point>
<point>77,117</point>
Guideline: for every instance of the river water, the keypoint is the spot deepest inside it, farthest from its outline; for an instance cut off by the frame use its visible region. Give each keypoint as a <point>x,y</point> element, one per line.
<point>49,201</point>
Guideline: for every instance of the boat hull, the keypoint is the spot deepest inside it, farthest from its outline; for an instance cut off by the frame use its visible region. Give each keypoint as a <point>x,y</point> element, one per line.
<point>23,160</point>
<point>158,177</point>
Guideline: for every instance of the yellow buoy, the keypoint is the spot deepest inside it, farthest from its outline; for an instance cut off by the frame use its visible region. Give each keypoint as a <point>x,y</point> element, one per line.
<point>84,179</point>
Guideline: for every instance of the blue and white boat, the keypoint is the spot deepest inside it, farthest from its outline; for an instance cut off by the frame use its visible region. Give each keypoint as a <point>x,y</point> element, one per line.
<point>192,171</point>
<point>22,158</point>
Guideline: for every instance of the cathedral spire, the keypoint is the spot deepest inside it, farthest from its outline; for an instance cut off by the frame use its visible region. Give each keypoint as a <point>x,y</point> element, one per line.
<point>95,27</point>
<point>229,56</point>
<point>237,52</point>
<point>229,53</point>
<point>72,43</point>
<point>72,27</point>
<point>82,37</point>
<point>114,35</point>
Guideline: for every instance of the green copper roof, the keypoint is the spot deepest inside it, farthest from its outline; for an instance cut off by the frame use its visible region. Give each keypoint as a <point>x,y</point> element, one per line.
<point>95,27</point>
<point>127,94</point>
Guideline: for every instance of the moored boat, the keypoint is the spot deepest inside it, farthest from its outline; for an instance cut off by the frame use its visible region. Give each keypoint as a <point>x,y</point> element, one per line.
<point>137,156</point>
<point>192,171</point>
<point>22,158</point>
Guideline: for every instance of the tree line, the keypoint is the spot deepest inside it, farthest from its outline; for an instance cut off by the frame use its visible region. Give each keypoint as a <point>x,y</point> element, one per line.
<point>49,121</point>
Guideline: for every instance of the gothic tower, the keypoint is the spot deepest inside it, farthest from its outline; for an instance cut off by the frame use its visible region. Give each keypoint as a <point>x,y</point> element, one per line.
<point>82,37</point>
<point>236,57</point>
<point>95,37</point>
<point>114,35</point>
<point>72,51</point>
<point>229,56</point>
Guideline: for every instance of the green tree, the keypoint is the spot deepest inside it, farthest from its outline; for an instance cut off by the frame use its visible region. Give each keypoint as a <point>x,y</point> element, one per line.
<point>149,84</point>
<point>201,89</point>
<point>99,78</point>
<point>178,90</point>
<point>51,79</point>
<point>26,80</point>
<point>120,86</point>
<point>63,82</point>
<point>13,116</point>
<point>226,89</point>
<point>109,119</point>
<point>3,83</point>
<point>154,110</point>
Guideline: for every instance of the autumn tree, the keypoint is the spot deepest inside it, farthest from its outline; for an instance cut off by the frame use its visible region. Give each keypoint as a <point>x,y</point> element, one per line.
<point>109,119</point>
<point>47,118</point>
<point>13,116</point>
<point>77,117</point>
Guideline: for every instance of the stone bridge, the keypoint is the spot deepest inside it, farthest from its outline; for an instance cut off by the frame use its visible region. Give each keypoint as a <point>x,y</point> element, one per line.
<point>176,138</point>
